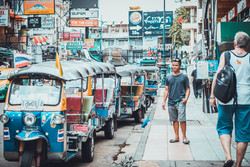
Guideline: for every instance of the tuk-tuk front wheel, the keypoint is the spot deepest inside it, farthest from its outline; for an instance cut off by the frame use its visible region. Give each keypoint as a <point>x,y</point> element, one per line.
<point>87,152</point>
<point>28,155</point>
<point>109,129</point>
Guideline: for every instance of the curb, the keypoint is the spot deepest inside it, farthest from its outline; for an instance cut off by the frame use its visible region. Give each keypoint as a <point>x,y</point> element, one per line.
<point>143,141</point>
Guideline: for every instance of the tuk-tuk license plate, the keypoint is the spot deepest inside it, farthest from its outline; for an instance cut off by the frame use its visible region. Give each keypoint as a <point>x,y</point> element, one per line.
<point>80,128</point>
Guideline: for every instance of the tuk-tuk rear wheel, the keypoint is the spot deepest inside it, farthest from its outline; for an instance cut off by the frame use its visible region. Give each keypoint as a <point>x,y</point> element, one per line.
<point>87,152</point>
<point>109,129</point>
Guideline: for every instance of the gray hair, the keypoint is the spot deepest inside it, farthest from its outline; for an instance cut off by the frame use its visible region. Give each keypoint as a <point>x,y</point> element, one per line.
<point>241,39</point>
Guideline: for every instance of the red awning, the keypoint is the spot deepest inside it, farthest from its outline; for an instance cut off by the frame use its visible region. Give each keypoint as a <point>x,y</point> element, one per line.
<point>40,40</point>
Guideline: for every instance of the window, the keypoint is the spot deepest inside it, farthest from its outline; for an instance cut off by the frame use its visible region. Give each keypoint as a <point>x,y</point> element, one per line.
<point>35,91</point>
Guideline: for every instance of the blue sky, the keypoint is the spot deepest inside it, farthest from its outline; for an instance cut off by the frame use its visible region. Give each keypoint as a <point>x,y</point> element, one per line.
<point>117,10</point>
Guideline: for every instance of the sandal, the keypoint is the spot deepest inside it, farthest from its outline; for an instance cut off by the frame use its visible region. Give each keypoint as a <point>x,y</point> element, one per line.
<point>186,141</point>
<point>173,140</point>
<point>228,163</point>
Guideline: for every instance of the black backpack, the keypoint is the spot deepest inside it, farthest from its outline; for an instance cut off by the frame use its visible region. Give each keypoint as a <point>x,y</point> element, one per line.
<point>225,86</point>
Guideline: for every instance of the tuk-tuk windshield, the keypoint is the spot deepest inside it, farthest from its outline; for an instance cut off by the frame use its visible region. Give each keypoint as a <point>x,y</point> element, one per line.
<point>47,91</point>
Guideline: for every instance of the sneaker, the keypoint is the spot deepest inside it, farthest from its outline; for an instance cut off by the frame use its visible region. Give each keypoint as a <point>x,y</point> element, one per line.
<point>186,141</point>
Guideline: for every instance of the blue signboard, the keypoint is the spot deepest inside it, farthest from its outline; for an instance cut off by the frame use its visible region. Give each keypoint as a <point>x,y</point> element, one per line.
<point>154,23</point>
<point>135,23</point>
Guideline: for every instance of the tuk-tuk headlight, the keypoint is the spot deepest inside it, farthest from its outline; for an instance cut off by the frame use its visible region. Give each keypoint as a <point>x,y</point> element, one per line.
<point>4,118</point>
<point>58,119</point>
<point>29,119</point>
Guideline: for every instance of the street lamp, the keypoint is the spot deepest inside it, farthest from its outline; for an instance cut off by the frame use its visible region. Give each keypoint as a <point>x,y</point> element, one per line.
<point>163,65</point>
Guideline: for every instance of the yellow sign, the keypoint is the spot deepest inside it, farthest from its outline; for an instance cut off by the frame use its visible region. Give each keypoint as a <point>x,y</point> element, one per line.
<point>39,7</point>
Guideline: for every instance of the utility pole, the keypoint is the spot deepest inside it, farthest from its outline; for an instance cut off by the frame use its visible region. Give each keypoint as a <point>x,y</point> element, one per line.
<point>163,65</point>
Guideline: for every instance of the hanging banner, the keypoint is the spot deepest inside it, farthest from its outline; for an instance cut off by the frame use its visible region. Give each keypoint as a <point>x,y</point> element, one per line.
<point>4,17</point>
<point>35,7</point>
<point>202,70</point>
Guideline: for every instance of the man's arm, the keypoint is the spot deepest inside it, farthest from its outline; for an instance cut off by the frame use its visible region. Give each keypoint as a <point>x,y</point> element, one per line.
<point>165,96</point>
<point>187,92</point>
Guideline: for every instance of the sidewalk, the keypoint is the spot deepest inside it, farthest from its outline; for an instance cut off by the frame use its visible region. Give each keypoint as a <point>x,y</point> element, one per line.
<point>204,148</point>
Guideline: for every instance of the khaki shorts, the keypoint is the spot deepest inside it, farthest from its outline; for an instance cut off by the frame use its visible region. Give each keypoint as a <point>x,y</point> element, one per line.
<point>177,112</point>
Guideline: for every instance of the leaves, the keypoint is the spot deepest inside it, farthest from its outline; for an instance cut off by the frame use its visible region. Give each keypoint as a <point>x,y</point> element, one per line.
<point>178,35</point>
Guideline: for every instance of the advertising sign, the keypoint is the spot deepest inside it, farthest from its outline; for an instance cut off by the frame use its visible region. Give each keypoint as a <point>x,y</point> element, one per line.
<point>135,23</point>
<point>89,43</point>
<point>76,45</point>
<point>83,23</point>
<point>154,23</point>
<point>34,22</point>
<point>84,4</point>
<point>202,70</point>
<point>4,17</point>
<point>32,7</point>
<point>83,13</point>
<point>47,22</point>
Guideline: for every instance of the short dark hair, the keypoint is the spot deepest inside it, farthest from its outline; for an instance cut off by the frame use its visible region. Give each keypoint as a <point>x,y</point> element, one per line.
<point>177,60</point>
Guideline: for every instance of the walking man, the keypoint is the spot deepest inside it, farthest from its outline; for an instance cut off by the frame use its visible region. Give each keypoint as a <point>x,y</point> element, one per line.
<point>177,91</point>
<point>240,61</point>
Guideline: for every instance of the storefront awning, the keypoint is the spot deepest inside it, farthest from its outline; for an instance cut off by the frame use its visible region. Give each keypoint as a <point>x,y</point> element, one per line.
<point>40,40</point>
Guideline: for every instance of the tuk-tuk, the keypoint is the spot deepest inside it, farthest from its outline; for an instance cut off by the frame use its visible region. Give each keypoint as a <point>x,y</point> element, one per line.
<point>4,83</point>
<point>48,116</point>
<point>151,86</point>
<point>105,99</point>
<point>132,92</point>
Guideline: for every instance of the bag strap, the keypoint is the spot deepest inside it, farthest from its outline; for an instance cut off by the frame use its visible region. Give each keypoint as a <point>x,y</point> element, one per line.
<point>227,55</point>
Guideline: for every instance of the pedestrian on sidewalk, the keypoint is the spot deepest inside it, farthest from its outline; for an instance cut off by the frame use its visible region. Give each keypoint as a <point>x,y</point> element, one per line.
<point>177,91</point>
<point>240,61</point>
<point>197,84</point>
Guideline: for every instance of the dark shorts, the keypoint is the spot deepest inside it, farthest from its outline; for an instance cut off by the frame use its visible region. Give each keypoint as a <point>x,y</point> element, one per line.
<point>242,121</point>
<point>177,112</point>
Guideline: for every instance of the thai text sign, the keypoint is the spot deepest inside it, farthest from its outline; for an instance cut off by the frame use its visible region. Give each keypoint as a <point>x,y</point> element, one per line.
<point>34,22</point>
<point>83,23</point>
<point>39,7</point>
<point>76,45</point>
<point>83,13</point>
<point>154,22</point>
<point>48,22</point>
<point>4,17</point>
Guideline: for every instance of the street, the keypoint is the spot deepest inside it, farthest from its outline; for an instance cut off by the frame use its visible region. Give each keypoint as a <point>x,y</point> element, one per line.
<point>123,145</point>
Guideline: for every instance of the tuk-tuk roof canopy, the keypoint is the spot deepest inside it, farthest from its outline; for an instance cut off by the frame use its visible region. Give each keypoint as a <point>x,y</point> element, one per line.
<point>149,68</point>
<point>72,70</point>
<point>129,70</point>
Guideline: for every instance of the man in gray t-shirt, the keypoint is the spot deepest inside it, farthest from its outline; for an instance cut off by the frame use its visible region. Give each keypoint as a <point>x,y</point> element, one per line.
<point>177,91</point>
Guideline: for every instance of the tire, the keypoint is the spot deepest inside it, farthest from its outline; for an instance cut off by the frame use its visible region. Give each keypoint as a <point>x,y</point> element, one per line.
<point>28,156</point>
<point>138,116</point>
<point>143,111</point>
<point>109,129</point>
<point>148,102</point>
<point>87,151</point>
<point>115,122</point>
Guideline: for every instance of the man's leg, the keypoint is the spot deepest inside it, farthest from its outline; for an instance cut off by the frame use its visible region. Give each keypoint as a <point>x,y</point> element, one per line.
<point>173,115</point>
<point>226,140</point>
<point>176,129</point>
<point>184,129</point>
<point>241,150</point>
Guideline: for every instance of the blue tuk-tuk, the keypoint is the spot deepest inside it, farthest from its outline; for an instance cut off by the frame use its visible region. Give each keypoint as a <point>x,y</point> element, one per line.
<point>48,116</point>
<point>132,89</point>
<point>151,86</point>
